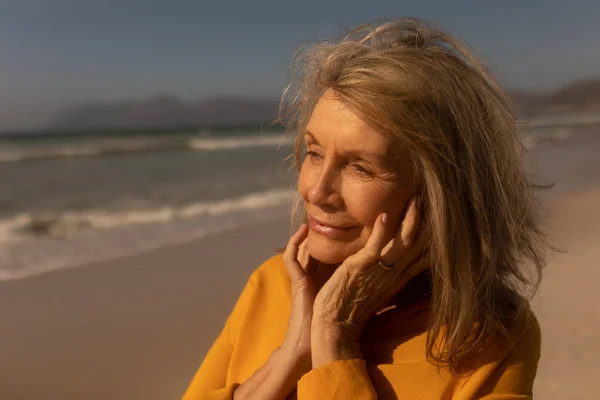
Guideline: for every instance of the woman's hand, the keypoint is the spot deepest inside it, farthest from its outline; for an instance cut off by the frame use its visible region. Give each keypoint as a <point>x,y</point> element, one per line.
<point>360,287</point>
<point>278,377</point>
<point>297,340</point>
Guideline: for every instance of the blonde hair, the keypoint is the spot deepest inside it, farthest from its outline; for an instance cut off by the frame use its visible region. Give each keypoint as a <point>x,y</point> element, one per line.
<point>423,89</point>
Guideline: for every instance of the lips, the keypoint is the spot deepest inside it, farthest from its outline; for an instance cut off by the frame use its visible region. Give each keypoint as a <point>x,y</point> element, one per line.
<point>326,229</point>
<point>333,226</point>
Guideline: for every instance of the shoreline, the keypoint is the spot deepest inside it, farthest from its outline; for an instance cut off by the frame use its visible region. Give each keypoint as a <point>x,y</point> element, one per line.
<point>571,165</point>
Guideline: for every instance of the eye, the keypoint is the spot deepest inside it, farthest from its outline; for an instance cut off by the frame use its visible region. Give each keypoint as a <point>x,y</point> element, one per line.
<point>313,155</point>
<point>361,170</point>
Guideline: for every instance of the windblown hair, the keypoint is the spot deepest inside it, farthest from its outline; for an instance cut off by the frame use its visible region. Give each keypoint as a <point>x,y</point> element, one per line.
<point>421,88</point>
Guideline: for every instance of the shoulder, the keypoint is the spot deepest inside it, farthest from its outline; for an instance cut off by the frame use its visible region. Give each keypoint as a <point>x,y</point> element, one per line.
<point>268,282</point>
<point>513,368</point>
<point>272,272</point>
<point>527,348</point>
<point>266,295</point>
<point>270,265</point>
<point>525,334</point>
<point>517,335</point>
<point>521,341</point>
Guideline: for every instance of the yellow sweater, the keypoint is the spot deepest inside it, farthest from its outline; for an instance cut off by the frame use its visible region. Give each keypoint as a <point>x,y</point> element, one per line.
<point>394,365</point>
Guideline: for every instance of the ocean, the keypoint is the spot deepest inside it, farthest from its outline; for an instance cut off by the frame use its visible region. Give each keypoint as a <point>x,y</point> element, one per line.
<point>67,201</point>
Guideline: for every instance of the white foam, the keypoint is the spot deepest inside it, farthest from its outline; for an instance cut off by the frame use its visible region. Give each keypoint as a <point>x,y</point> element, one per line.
<point>238,142</point>
<point>24,226</point>
<point>532,140</point>
<point>561,120</point>
<point>76,239</point>
<point>129,145</point>
<point>23,260</point>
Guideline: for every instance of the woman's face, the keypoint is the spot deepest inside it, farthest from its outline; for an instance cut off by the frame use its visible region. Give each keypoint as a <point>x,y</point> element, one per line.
<point>350,175</point>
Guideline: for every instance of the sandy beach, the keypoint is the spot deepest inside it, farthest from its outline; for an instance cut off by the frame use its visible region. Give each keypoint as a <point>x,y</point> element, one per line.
<point>138,327</point>
<point>568,302</point>
<point>135,328</point>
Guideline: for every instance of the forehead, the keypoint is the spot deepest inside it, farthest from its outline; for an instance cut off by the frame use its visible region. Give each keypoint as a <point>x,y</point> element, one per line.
<point>332,123</point>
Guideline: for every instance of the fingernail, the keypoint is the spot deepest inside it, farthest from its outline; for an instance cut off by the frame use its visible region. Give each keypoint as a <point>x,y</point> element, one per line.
<point>384,218</point>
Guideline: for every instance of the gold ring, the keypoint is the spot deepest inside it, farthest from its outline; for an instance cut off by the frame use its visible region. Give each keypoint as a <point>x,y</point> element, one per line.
<point>386,267</point>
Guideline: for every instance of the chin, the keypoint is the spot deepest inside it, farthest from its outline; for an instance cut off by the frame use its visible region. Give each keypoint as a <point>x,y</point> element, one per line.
<point>326,250</point>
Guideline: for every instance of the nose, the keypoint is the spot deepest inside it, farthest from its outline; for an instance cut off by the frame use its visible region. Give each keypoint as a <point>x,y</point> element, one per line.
<point>324,190</point>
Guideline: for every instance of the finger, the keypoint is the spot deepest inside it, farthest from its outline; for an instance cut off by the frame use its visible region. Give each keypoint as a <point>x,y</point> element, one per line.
<point>370,253</point>
<point>407,225</point>
<point>410,225</point>
<point>303,255</point>
<point>290,255</point>
<point>420,244</point>
<point>405,239</point>
<point>308,263</point>
<point>395,251</point>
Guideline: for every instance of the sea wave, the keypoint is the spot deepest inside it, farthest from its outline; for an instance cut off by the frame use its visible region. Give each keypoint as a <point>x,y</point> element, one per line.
<point>47,253</point>
<point>557,135</point>
<point>238,142</point>
<point>27,226</point>
<point>131,145</point>
<point>561,120</point>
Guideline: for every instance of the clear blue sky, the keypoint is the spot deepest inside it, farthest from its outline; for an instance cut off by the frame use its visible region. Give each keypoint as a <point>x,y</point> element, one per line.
<point>57,52</point>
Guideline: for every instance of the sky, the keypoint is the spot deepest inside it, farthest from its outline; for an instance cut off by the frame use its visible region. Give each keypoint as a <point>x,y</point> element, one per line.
<point>55,53</point>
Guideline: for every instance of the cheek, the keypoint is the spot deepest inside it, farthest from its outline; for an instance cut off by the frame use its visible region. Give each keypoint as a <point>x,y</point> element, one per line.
<point>366,202</point>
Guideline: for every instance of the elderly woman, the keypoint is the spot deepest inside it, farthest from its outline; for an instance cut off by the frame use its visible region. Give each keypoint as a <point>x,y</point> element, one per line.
<point>405,278</point>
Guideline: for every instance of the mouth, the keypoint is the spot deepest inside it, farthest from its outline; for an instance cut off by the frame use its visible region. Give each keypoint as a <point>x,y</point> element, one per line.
<point>326,229</point>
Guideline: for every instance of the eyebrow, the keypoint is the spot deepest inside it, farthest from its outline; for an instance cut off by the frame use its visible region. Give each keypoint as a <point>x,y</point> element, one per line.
<point>355,153</point>
<point>312,137</point>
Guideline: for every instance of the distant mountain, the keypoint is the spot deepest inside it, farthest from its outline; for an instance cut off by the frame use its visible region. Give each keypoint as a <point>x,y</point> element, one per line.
<point>576,97</point>
<point>166,112</point>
